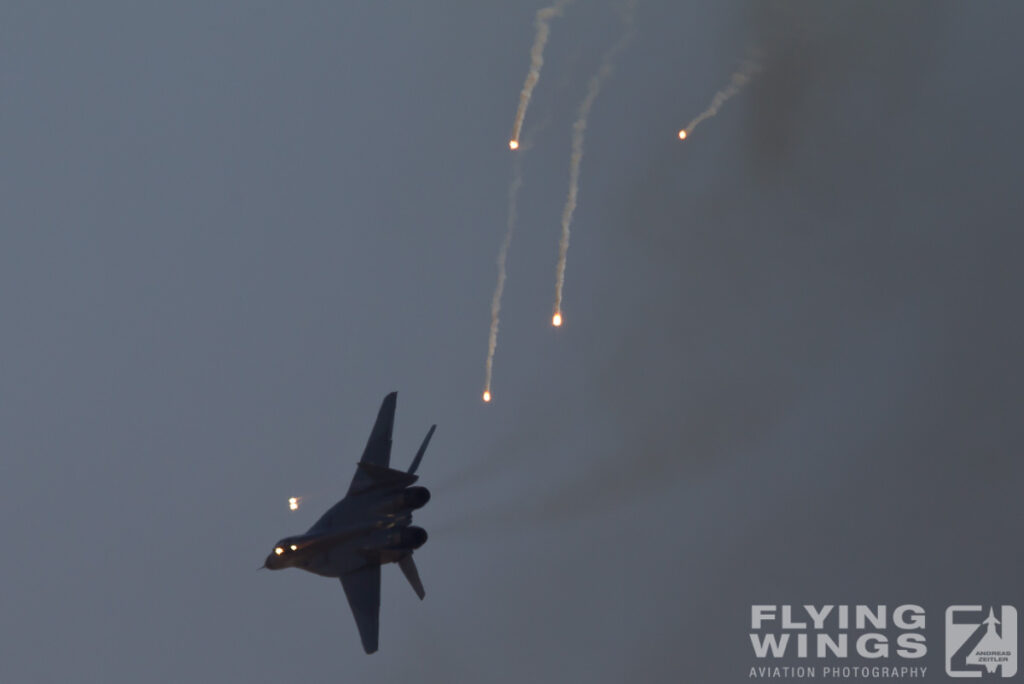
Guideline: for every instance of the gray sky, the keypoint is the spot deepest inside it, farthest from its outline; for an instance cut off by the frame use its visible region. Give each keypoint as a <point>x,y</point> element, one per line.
<point>790,372</point>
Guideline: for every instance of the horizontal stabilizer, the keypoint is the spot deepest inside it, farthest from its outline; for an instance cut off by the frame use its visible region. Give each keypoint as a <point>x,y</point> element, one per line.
<point>423,449</point>
<point>408,566</point>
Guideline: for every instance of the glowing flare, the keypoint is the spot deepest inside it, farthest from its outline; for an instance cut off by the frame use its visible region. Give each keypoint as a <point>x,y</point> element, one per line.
<point>278,550</point>
<point>294,547</point>
<point>556,320</point>
<point>487,396</point>
<point>513,144</point>
<point>293,503</point>
<point>682,134</point>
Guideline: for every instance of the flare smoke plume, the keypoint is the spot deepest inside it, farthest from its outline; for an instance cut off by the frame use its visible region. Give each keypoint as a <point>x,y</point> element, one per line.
<point>499,288</point>
<point>543,23</point>
<point>578,130</point>
<point>736,83</point>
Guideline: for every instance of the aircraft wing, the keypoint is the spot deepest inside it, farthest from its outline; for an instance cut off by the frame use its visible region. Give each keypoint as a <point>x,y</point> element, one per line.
<point>377,453</point>
<point>362,588</point>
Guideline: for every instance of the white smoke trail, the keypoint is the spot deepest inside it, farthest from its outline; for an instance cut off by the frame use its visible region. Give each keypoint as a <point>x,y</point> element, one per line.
<point>499,288</point>
<point>736,83</point>
<point>543,23</point>
<point>578,130</point>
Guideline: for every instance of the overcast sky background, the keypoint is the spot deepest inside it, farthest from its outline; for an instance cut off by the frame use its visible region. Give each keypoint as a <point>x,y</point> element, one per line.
<point>790,371</point>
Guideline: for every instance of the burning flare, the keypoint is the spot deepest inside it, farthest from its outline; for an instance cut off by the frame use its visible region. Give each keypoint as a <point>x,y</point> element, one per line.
<point>556,320</point>
<point>513,144</point>
<point>487,396</point>
<point>293,503</point>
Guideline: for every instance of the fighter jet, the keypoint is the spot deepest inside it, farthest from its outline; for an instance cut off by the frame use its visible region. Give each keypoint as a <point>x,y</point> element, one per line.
<point>370,526</point>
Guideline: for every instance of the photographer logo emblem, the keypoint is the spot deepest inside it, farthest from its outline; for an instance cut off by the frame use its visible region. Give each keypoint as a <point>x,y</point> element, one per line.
<point>981,641</point>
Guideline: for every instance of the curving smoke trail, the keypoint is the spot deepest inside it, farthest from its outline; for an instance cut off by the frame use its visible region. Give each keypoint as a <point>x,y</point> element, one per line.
<point>499,288</point>
<point>736,83</point>
<point>543,23</point>
<point>578,130</point>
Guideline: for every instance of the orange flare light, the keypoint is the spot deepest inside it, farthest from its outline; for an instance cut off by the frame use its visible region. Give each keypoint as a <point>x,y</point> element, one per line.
<point>487,396</point>
<point>682,134</point>
<point>556,320</point>
<point>293,503</point>
<point>513,144</point>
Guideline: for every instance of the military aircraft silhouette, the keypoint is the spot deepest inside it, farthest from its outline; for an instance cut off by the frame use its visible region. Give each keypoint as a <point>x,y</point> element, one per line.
<point>370,526</point>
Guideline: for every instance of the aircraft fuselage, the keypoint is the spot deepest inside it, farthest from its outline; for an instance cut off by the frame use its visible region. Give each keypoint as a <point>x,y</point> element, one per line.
<point>375,527</point>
